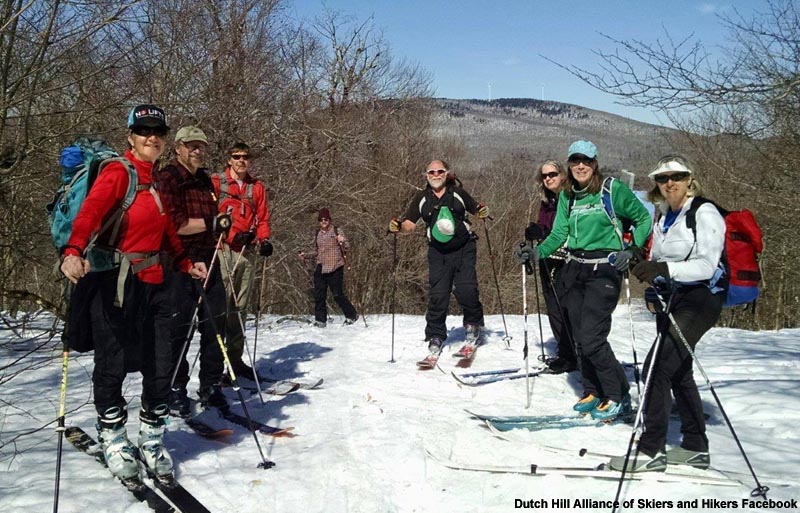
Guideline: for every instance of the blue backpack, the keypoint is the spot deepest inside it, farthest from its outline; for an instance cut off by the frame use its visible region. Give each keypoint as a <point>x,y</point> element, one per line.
<point>80,163</point>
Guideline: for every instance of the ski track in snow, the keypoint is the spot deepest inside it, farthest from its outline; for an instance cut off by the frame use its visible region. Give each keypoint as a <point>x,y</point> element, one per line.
<point>361,438</point>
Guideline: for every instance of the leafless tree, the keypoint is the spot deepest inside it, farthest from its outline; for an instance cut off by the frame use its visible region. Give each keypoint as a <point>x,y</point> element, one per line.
<point>739,116</point>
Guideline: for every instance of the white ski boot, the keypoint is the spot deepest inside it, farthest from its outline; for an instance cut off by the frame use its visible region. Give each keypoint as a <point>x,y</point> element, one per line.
<point>119,452</point>
<point>152,452</point>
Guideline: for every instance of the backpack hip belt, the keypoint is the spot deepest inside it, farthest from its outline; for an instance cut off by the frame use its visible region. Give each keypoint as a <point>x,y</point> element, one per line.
<point>125,263</point>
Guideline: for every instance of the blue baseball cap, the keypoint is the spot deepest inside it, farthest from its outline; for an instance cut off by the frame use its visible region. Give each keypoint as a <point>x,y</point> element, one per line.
<point>148,116</point>
<point>584,148</point>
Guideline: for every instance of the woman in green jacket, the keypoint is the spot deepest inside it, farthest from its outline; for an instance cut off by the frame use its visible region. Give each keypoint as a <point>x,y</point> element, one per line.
<point>590,217</point>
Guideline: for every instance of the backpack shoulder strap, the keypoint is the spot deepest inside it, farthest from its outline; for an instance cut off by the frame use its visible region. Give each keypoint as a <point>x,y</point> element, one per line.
<point>607,199</point>
<point>115,220</point>
<point>691,214</point>
<point>224,184</point>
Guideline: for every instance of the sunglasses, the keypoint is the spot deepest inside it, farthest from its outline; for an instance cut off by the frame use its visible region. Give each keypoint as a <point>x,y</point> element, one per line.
<point>436,172</point>
<point>675,177</point>
<point>574,161</point>
<point>145,131</point>
<point>324,220</point>
<point>546,176</point>
<point>240,157</point>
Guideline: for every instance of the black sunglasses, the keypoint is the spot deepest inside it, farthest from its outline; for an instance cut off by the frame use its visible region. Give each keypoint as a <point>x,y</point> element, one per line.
<point>675,177</point>
<point>146,131</point>
<point>549,175</point>
<point>580,159</point>
<point>240,157</point>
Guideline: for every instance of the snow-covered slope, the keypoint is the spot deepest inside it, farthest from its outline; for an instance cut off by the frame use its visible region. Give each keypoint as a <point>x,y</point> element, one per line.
<point>362,438</point>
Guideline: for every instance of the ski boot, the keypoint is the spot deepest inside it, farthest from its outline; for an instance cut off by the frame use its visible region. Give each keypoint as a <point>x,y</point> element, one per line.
<point>211,396</point>
<point>639,462</point>
<point>118,451</point>
<point>434,350</point>
<point>179,404</point>
<point>586,404</point>
<point>608,410</point>
<point>152,452</point>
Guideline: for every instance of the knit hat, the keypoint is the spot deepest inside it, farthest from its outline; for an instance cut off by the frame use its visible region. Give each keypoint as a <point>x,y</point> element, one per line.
<point>324,213</point>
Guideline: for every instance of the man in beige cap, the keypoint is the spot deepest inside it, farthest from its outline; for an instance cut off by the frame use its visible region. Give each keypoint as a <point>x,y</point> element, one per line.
<point>189,198</point>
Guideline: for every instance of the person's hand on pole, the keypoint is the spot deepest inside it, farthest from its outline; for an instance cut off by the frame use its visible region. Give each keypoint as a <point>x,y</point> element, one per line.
<point>75,267</point>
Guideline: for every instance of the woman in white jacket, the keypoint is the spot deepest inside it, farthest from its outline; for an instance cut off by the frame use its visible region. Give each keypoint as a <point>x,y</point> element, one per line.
<point>683,268</point>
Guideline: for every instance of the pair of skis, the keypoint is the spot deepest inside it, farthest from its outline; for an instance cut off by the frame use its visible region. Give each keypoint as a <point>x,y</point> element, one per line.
<point>178,499</point>
<point>206,431</point>
<point>466,355</point>
<point>600,471</point>
<point>474,379</point>
<point>500,423</point>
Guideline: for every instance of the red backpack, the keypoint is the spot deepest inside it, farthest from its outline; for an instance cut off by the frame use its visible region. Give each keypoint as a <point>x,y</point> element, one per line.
<point>744,244</point>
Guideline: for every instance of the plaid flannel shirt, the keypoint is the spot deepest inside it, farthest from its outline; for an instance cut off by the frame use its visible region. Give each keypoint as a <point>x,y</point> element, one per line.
<point>186,195</point>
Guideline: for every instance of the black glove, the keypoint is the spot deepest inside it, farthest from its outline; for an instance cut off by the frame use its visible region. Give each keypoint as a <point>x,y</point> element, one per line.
<point>534,232</point>
<point>220,224</point>
<point>526,254</point>
<point>627,258</point>
<point>244,238</point>
<point>647,271</point>
<point>266,248</point>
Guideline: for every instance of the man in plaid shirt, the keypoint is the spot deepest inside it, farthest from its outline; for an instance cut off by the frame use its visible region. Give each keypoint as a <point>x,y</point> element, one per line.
<point>330,248</point>
<point>188,195</point>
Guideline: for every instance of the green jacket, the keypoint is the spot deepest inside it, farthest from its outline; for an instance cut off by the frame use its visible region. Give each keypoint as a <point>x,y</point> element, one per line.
<point>588,228</point>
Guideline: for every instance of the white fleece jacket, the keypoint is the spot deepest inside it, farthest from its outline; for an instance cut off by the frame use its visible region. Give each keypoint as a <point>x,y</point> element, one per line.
<point>675,244</point>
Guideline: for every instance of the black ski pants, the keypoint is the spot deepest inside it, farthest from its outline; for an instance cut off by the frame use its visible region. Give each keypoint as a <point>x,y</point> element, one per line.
<point>696,310</point>
<point>134,337</point>
<point>590,293</point>
<point>185,291</point>
<point>335,281</point>
<point>453,271</point>
<point>549,271</point>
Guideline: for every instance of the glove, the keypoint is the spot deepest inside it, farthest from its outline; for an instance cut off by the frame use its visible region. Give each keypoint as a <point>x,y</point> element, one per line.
<point>220,224</point>
<point>627,258</point>
<point>244,238</point>
<point>526,254</point>
<point>534,232</point>
<point>483,211</point>
<point>394,225</point>
<point>266,248</point>
<point>647,271</point>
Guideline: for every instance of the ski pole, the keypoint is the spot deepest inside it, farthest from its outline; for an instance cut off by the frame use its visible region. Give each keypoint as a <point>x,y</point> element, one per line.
<point>258,305</point>
<point>394,287</point>
<point>265,463</point>
<point>506,338</point>
<point>226,264</point>
<point>542,358</point>
<point>760,490</point>
<point>525,331</point>
<point>193,322</point>
<point>639,417</point>
<point>62,396</point>
<point>564,319</point>
<point>633,336</point>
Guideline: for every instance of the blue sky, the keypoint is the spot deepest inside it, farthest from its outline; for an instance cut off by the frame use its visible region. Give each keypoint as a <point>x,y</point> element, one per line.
<point>468,44</point>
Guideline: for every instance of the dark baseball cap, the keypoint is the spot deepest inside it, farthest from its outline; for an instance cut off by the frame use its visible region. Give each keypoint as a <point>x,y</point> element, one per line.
<point>148,116</point>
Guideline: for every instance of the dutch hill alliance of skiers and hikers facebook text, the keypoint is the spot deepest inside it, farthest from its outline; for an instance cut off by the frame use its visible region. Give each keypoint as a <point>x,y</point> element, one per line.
<point>656,504</point>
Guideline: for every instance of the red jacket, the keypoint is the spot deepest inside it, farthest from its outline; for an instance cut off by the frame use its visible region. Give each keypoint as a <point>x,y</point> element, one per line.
<point>143,229</point>
<point>243,215</point>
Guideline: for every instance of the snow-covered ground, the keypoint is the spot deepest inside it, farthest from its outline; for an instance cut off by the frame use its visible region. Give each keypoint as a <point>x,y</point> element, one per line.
<point>362,438</point>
